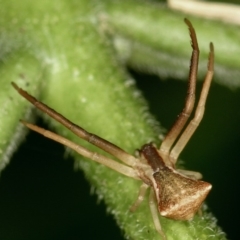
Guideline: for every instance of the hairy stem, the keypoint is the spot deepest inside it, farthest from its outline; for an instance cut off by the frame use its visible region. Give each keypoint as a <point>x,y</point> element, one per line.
<point>66,60</point>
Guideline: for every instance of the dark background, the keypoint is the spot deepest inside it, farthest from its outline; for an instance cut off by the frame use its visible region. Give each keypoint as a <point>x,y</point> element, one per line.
<point>41,197</point>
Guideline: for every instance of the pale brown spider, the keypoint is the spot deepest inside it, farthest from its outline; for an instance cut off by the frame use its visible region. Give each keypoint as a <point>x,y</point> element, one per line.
<point>175,194</point>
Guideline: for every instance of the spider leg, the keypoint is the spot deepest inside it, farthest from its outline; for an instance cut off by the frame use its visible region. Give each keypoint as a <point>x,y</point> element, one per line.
<point>155,213</point>
<point>140,198</point>
<point>192,126</point>
<point>178,126</point>
<point>119,167</point>
<point>191,174</point>
<point>80,132</point>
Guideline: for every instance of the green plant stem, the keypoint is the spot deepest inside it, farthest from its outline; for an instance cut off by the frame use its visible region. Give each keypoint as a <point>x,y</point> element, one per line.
<point>154,39</point>
<point>81,79</point>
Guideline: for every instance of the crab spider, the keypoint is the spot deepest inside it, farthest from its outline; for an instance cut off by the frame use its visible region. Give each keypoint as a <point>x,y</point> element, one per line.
<point>175,194</point>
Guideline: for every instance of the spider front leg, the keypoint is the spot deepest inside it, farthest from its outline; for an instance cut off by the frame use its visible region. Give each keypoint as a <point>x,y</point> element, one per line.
<point>192,126</point>
<point>171,146</point>
<point>178,126</point>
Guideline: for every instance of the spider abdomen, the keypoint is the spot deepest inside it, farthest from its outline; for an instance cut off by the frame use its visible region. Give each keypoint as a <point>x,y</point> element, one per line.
<point>179,196</point>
